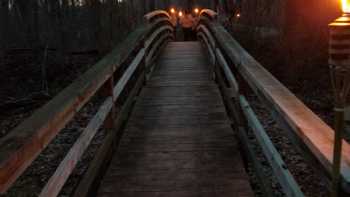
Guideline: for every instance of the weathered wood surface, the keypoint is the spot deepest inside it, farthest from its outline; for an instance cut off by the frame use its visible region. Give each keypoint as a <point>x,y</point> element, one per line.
<point>303,123</point>
<point>155,14</point>
<point>289,186</point>
<point>23,144</point>
<point>56,182</point>
<point>88,185</point>
<point>208,13</point>
<point>178,141</point>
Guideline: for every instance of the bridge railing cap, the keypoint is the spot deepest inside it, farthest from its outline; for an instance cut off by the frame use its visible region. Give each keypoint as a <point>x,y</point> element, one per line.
<point>149,16</point>
<point>208,12</point>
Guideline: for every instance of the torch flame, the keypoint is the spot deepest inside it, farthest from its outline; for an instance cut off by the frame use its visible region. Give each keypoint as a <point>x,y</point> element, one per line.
<point>346,6</point>
<point>196,10</point>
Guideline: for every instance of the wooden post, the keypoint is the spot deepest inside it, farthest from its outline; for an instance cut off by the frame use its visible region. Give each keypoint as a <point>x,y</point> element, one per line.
<point>339,128</point>
<point>106,91</point>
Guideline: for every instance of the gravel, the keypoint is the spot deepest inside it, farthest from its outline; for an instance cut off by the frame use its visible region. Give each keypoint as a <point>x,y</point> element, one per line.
<point>308,178</point>
<point>307,87</point>
<point>34,178</point>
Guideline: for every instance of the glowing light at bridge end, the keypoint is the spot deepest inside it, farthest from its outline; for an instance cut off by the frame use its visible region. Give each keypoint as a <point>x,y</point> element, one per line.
<point>346,6</point>
<point>180,14</point>
<point>172,10</point>
<point>196,10</point>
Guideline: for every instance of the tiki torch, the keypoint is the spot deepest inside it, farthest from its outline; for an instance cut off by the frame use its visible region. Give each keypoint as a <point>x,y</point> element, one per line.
<point>339,61</point>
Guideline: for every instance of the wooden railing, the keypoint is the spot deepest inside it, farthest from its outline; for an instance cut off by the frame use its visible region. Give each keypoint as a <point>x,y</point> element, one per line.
<point>121,74</point>
<point>236,71</point>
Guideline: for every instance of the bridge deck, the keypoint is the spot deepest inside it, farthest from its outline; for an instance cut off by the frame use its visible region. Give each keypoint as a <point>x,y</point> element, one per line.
<point>178,141</point>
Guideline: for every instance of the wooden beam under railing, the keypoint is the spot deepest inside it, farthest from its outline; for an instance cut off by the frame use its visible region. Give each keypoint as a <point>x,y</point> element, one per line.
<point>19,148</point>
<point>293,115</point>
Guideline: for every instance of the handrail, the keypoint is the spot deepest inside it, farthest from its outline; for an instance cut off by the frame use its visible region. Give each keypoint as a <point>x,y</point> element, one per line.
<point>156,34</point>
<point>158,22</point>
<point>153,51</point>
<point>23,144</point>
<point>208,13</point>
<point>305,127</point>
<point>202,36</point>
<point>205,30</point>
<point>157,13</point>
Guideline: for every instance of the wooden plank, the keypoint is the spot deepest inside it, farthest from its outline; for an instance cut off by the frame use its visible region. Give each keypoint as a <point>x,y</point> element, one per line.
<point>23,144</point>
<point>265,183</point>
<point>209,47</point>
<point>289,186</point>
<point>156,34</point>
<point>156,22</point>
<point>231,102</point>
<point>107,90</point>
<point>152,67</point>
<point>205,30</point>
<point>315,134</point>
<point>156,13</point>
<point>87,187</point>
<point>228,73</point>
<point>208,13</point>
<point>66,167</point>
<point>178,138</point>
<point>155,49</point>
<point>118,89</point>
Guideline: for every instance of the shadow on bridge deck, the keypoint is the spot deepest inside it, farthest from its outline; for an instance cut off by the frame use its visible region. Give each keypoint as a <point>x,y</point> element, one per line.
<point>178,141</point>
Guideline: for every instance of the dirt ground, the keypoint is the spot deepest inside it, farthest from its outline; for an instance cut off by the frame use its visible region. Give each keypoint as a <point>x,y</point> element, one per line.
<point>22,92</point>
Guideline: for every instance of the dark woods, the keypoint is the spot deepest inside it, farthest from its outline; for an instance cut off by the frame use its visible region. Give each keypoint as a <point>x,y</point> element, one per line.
<point>46,44</point>
<point>44,38</point>
<point>290,38</point>
<point>49,36</point>
<point>68,25</point>
<point>73,25</point>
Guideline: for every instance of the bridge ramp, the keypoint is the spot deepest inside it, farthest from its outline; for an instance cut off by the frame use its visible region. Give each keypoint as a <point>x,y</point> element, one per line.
<point>178,141</point>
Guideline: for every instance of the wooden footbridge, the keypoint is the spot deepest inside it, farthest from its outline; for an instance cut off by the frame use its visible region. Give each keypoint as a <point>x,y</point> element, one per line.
<point>176,119</point>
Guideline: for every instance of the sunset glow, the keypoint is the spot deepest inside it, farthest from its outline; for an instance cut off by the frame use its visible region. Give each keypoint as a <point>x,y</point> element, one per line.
<point>346,6</point>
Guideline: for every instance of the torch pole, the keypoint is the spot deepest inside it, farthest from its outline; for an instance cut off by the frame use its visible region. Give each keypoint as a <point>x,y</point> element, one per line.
<point>339,59</point>
<point>339,130</point>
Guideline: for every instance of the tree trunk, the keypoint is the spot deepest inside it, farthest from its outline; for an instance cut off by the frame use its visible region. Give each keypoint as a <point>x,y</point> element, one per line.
<point>61,13</point>
<point>4,17</point>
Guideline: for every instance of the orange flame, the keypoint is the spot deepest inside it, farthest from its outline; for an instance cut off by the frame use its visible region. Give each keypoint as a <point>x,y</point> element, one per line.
<point>196,10</point>
<point>172,10</point>
<point>346,6</point>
